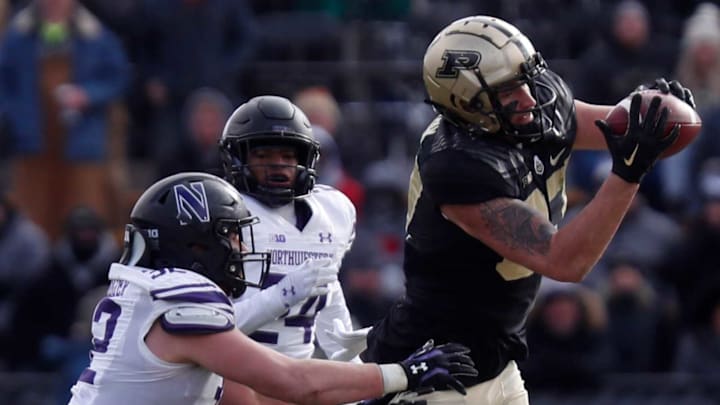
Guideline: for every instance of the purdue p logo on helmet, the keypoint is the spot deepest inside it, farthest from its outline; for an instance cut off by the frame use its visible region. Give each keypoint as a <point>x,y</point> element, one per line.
<point>466,63</point>
<point>454,61</point>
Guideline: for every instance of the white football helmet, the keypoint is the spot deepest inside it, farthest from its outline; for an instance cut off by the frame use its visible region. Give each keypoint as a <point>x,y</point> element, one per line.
<point>470,61</point>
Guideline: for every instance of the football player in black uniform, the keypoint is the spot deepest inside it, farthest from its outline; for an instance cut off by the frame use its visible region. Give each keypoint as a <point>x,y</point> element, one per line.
<point>486,196</point>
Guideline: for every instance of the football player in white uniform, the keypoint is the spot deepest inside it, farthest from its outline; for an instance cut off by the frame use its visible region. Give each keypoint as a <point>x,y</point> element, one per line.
<point>165,332</point>
<point>269,154</point>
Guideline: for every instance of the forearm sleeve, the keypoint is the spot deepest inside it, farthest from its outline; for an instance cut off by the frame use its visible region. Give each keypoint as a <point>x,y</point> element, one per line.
<point>254,312</point>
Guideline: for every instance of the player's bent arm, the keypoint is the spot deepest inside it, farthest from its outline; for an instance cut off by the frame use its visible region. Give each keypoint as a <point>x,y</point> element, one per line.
<point>588,134</point>
<point>236,357</point>
<point>521,234</point>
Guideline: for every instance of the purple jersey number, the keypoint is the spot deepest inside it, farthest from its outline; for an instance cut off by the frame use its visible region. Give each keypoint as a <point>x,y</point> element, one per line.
<point>112,311</point>
<point>106,306</point>
<point>305,318</point>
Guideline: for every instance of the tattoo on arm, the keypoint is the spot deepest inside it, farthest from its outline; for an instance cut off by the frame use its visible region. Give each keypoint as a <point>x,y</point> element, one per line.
<point>517,225</point>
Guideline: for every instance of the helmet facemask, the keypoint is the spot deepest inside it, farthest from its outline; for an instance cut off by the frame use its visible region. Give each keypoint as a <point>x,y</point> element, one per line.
<point>269,121</point>
<point>240,172</point>
<point>245,267</point>
<point>487,102</point>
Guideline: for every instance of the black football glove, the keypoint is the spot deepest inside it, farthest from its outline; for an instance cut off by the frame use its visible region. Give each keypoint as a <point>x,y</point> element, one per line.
<point>438,367</point>
<point>635,153</point>
<point>674,88</point>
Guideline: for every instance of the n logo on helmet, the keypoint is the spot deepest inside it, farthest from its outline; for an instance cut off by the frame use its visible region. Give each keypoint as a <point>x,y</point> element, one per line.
<point>456,60</point>
<point>191,203</point>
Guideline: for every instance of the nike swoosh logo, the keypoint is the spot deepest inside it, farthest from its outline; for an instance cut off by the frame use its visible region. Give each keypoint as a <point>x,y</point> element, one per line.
<point>554,159</point>
<point>629,160</point>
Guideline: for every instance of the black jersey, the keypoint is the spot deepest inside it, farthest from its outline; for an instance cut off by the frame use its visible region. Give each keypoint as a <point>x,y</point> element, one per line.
<point>458,289</point>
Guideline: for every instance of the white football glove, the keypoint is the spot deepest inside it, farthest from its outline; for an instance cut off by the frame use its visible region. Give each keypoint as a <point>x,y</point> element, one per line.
<point>352,341</point>
<point>310,279</point>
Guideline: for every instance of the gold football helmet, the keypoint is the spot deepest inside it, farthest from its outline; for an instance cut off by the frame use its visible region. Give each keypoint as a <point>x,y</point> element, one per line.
<point>470,61</point>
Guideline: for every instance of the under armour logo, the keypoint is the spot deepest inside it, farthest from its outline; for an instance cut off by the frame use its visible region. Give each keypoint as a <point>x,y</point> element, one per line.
<point>323,238</point>
<point>291,291</point>
<point>416,369</point>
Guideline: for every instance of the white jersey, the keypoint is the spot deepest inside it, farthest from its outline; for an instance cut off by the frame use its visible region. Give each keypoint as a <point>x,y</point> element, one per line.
<point>123,370</point>
<point>329,233</point>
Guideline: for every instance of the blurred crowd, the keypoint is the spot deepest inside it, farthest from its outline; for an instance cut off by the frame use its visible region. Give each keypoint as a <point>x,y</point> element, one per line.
<point>98,99</point>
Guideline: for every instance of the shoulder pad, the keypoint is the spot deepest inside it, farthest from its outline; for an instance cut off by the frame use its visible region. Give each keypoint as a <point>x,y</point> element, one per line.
<point>332,199</point>
<point>196,319</point>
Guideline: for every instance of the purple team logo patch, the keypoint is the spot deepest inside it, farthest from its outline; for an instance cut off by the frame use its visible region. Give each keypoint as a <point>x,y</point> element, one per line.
<point>191,203</point>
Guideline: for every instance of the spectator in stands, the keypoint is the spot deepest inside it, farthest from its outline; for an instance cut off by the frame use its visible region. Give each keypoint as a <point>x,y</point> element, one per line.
<point>188,45</point>
<point>67,355</point>
<point>698,68</point>
<point>705,149</point>
<point>628,55</point>
<point>79,264</point>
<point>60,69</point>
<point>320,107</point>
<point>641,319</point>
<point>24,255</point>
<point>331,170</point>
<point>324,115</point>
<point>699,350</point>
<point>567,328</point>
<point>692,267</point>
<point>373,276</point>
<point>203,119</point>
<point>646,234</point>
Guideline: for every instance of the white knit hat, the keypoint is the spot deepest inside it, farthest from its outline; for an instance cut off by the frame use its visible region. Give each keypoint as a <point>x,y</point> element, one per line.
<point>703,25</point>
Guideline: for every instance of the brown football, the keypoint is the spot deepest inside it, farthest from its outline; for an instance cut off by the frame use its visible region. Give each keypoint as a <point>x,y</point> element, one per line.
<point>679,112</point>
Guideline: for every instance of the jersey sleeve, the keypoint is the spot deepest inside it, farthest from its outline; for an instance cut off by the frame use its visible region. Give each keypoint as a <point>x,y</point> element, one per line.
<point>453,177</point>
